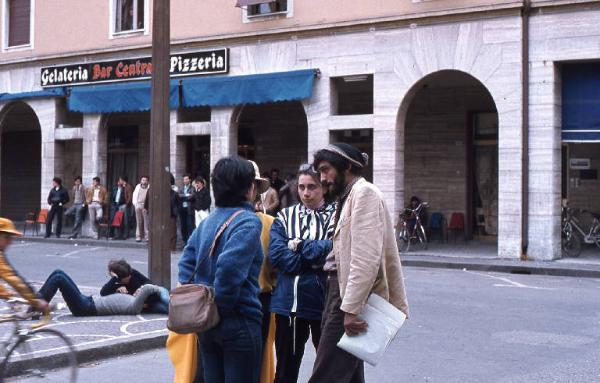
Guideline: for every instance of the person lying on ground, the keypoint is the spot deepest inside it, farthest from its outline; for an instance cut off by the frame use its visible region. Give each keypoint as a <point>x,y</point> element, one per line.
<point>93,305</point>
<point>127,280</point>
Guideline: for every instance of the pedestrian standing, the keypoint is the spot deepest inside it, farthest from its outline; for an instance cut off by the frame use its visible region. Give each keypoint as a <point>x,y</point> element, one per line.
<point>78,206</point>
<point>364,260</point>
<point>121,197</point>
<point>230,351</point>
<point>186,216</point>
<point>288,194</point>
<point>57,198</point>
<point>269,200</point>
<point>201,201</point>
<point>140,193</point>
<point>300,242</point>
<point>95,199</point>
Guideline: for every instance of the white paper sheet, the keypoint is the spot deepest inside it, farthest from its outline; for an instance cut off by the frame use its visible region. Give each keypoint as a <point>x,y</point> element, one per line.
<point>384,321</point>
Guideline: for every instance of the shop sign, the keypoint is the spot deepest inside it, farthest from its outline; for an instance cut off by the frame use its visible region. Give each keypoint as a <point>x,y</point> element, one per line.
<point>185,64</point>
<point>579,163</point>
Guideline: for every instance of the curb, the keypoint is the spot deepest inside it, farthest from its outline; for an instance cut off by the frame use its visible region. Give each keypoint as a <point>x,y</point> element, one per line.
<point>88,355</point>
<point>518,267</point>
<point>88,242</point>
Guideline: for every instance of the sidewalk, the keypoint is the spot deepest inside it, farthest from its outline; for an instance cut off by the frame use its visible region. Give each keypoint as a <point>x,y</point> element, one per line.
<point>102,242</point>
<point>483,257</point>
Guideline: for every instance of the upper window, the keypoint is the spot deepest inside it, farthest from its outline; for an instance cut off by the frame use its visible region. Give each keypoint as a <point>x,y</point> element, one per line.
<point>278,9</point>
<point>278,6</point>
<point>18,23</point>
<point>129,16</point>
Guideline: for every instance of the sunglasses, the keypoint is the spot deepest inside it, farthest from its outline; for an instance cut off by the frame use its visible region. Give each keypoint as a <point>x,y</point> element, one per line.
<point>307,168</point>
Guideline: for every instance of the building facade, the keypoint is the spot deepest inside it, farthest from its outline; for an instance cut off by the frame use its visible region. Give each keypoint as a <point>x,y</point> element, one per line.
<point>462,103</point>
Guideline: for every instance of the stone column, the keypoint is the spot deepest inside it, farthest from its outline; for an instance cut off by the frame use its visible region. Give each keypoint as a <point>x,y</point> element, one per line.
<point>223,134</point>
<point>45,110</point>
<point>317,113</point>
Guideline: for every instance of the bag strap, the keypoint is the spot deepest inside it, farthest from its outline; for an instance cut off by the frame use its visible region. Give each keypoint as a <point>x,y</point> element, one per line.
<point>214,243</point>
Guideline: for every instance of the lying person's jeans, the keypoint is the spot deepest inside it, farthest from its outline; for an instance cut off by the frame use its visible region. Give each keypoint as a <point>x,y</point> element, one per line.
<point>79,304</point>
<point>160,306</point>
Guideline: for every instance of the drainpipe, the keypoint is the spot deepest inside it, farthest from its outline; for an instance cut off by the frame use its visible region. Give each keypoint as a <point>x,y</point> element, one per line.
<point>525,12</point>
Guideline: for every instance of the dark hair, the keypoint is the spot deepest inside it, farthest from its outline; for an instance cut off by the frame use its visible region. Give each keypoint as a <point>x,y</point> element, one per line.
<point>97,179</point>
<point>274,170</point>
<point>77,178</point>
<point>146,177</point>
<point>200,179</point>
<point>124,178</point>
<point>186,175</point>
<point>57,180</point>
<point>415,198</point>
<point>338,162</point>
<point>119,267</point>
<point>231,178</point>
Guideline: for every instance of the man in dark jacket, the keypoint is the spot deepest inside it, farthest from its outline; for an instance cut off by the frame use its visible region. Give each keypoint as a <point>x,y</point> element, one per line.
<point>127,280</point>
<point>186,216</point>
<point>57,198</point>
<point>300,242</point>
<point>120,200</point>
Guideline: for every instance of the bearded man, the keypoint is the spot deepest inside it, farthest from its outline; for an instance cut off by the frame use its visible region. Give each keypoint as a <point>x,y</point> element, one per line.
<point>364,260</point>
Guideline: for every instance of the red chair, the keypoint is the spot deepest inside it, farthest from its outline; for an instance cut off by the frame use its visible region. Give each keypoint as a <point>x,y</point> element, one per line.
<point>457,224</point>
<point>117,221</point>
<point>29,221</point>
<point>41,220</point>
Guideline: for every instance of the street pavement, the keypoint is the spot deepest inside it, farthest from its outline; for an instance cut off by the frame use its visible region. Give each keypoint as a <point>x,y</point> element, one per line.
<point>465,326</point>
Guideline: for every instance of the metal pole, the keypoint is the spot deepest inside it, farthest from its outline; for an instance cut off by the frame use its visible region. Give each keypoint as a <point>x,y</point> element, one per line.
<point>159,254</point>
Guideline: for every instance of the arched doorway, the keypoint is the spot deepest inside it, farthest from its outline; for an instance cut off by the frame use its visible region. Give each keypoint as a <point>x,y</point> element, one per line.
<point>449,127</point>
<point>274,135</point>
<point>127,146</point>
<point>21,161</point>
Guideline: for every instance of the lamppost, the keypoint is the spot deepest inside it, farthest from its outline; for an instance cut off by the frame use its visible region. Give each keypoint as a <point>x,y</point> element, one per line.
<point>159,252</point>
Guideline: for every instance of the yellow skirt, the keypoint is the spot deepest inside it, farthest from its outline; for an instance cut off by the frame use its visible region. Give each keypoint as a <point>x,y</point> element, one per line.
<point>183,352</point>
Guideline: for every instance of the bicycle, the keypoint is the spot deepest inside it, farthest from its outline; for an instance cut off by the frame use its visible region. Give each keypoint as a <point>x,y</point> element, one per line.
<point>17,356</point>
<point>405,236</point>
<point>572,233</point>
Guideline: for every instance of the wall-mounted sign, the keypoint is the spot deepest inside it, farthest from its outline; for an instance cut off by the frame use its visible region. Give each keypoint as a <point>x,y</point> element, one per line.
<point>579,163</point>
<point>185,64</point>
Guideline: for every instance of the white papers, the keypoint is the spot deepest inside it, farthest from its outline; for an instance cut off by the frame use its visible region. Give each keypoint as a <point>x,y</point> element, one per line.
<point>384,321</point>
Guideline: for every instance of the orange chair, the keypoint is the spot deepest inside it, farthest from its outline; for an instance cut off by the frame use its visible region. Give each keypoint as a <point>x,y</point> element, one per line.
<point>41,220</point>
<point>29,221</point>
<point>457,224</point>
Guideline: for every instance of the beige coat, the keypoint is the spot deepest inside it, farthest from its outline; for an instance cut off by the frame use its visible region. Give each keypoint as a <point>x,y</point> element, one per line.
<point>365,251</point>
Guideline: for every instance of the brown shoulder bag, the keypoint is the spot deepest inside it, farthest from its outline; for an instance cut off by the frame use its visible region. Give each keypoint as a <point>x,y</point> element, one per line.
<point>192,307</point>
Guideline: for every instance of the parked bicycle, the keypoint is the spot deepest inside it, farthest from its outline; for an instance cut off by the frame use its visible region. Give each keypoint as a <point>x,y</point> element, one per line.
<point>17,349</point>
<point>572,233</point>
<point>410,231</point>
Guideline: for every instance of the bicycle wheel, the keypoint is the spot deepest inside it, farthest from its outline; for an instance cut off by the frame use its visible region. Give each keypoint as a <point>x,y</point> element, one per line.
<point>571,245</point>
<point>421,239</point>
<point>21,359</point>
<point>403,240</point>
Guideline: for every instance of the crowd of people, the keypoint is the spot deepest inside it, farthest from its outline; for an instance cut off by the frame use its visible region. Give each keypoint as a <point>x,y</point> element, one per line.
<point>297,260</point>
<point>127,207</point>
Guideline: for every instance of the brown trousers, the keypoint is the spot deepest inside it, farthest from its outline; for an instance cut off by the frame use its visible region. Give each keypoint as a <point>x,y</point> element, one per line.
<point>334,365</point>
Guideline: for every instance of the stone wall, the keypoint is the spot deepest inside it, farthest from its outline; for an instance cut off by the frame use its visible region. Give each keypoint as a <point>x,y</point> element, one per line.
<point>555,36</point>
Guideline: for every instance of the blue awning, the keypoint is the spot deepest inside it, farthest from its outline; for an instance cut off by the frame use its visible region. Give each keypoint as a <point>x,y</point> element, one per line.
<point>249,89</point>
<point>581,102</point>
<point>51,92</point>
<point>114,98</point>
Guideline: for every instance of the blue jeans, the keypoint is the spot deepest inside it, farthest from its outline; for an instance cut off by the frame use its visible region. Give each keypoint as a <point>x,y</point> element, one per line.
<point>79,304</point>
<point>231,352</point>
<point>76,210</point>
<point>161,306</point>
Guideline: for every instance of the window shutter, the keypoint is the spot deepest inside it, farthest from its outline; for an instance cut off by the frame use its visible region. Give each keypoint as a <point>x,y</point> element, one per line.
<point>19,13</point>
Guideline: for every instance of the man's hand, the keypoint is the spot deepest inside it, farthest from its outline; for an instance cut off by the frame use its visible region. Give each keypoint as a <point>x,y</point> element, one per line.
<point>353,325</point>
<point>40,305</point>
<point>122,290</point>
